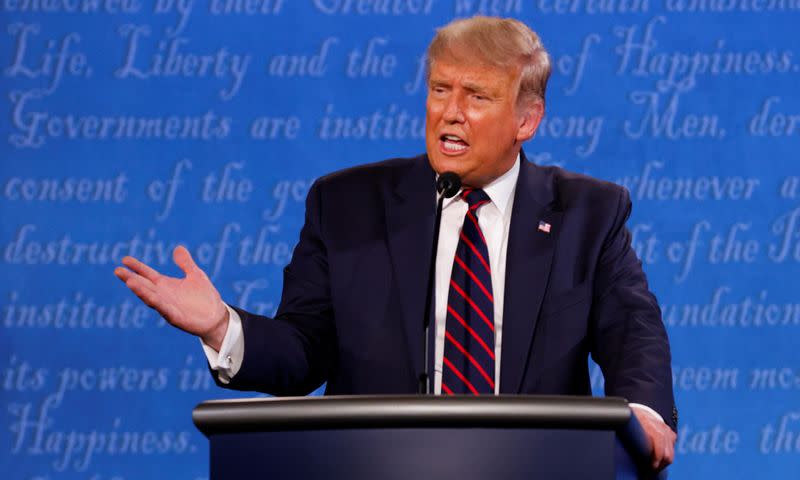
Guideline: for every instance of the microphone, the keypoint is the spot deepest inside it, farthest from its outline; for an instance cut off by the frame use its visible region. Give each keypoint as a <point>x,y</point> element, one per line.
<point>447,185</point>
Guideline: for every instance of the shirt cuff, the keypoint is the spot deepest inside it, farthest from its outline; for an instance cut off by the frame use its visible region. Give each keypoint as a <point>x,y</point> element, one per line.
<point>647,409</point>
<point>228,360</point>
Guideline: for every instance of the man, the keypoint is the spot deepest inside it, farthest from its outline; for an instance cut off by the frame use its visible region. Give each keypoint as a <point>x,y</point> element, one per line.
<point>534,262</point>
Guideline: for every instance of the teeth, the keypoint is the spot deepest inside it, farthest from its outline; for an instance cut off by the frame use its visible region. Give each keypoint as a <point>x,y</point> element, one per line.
<point>454,147</point>
<point>452,137</point>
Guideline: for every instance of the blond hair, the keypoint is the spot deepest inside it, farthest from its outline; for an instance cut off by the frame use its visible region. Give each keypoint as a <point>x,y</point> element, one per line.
<point>500,42</point>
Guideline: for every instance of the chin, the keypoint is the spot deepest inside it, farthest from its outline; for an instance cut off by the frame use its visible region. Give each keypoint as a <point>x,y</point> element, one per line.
<point>441,165</point>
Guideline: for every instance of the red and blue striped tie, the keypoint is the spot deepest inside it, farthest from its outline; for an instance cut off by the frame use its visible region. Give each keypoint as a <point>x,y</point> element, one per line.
<point>469,329</point>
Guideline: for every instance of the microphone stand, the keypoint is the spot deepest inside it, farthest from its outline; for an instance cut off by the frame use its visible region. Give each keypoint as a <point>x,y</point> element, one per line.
<point>424,387</point>
<point>447,185</point>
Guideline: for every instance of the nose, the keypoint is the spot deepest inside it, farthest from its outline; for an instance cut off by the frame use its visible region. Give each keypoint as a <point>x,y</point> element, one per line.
<point>453,113</point>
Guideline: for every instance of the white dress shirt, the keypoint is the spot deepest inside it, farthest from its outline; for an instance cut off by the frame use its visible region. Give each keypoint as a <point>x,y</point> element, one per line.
<point>494,219</point>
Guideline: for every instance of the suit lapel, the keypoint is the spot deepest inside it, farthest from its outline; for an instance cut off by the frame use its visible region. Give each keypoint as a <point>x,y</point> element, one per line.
<point>529,257</point>
<point>410,214</point>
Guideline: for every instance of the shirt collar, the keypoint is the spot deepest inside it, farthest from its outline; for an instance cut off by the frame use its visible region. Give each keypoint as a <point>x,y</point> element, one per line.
<point>501,189</point>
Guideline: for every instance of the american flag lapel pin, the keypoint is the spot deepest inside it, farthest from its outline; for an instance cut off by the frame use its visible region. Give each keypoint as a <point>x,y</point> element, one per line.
<point>544,226</point>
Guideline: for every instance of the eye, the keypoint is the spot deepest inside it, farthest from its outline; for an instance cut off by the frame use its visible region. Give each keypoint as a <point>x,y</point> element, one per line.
<point>479,97</point>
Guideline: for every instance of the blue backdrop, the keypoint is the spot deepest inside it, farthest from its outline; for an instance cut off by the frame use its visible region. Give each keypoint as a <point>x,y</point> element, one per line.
<point>132,126</point>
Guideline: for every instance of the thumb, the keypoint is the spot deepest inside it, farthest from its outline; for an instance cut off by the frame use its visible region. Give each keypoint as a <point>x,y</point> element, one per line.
<point>183,259</point>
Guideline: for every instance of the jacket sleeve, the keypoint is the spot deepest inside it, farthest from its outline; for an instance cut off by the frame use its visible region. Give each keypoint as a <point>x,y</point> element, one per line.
<point>295,352</point>
<point>629,341</point>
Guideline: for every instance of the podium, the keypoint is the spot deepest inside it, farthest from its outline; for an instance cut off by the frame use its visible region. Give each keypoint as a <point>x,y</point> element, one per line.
<point>424,437</point>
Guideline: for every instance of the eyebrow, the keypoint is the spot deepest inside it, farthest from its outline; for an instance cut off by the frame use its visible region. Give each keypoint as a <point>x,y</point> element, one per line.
<point>475,88</point>
<point>437,83</point>
<point>469,86</point>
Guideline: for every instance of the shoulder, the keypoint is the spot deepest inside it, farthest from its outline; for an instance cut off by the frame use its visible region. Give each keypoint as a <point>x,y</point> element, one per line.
<point>369,177</point>
<point>575,190</point>
<point>362,192</point>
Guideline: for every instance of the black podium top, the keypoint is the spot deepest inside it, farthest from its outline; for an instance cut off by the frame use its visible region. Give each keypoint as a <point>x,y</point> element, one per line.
<point>413,411</point>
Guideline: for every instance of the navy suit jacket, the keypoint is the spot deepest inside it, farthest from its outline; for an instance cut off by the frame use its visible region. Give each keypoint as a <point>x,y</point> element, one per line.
<point>351,311</point>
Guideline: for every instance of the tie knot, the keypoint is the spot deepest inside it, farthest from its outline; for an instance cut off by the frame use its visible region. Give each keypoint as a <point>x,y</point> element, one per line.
<point>475,197</point>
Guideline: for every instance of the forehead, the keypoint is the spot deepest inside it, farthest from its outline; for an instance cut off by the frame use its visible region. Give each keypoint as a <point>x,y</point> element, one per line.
<point>477,75</point>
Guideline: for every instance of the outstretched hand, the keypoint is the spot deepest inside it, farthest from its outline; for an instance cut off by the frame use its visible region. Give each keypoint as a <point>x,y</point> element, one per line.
<point>191,303</point>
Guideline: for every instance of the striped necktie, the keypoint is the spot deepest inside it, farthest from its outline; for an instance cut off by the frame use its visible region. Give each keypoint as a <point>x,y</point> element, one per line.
<point>469,329</point>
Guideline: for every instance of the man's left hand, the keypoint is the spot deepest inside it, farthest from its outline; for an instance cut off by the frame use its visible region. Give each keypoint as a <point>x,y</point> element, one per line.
<point>661,438</point>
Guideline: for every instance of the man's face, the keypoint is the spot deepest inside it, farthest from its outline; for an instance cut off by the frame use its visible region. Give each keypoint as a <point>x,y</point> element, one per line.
<point>473,125</point>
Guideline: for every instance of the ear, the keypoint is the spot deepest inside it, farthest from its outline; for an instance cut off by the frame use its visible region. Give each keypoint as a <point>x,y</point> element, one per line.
<point>529,118</point>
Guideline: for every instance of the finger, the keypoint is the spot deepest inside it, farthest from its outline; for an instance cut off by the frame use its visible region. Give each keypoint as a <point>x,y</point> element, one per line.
<point>658,455</point>
<point>656,445</point>
<point>125,275</point>
<point>143,288</point>
<point>147,295</point>
<point>141,268</point>
<point>662,464</point>
<point>183,259</point>
<point>664,452</point>
<point>669,453</point>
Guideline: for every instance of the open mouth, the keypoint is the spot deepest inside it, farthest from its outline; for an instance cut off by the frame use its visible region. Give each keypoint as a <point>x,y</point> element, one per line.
<point>452,144</point>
